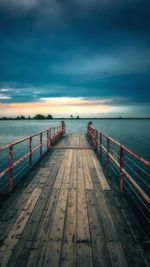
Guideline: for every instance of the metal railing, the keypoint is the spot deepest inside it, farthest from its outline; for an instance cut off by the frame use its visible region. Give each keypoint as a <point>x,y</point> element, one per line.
<point>18,157</point>
<point>131,170</point>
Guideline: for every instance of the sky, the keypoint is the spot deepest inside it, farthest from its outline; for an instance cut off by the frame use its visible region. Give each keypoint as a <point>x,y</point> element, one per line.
<point>89,58</point>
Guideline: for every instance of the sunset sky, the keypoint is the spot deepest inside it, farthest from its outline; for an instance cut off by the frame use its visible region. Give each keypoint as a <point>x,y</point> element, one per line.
<point>75,57</point>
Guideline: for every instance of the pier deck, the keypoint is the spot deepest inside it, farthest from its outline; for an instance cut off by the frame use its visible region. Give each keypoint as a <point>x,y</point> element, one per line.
<point>67,214</point>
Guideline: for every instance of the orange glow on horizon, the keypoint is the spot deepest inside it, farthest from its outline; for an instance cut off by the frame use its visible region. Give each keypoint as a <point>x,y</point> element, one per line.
<point>58,107</point>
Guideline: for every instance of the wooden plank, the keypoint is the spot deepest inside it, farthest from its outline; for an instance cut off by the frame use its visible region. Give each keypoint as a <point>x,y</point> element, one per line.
<point>133,253</point>
<point>20,255</point>
<point>116,254</point>
<point>81,197</point>
<point>101,176</point>
<point>122,228</point>
<point>99,248</point>
<point>33,223</point>
<point>66,178</point>
<point>69,159</point>
<point>58,181</point>
<point>53,250</point>
<point>70,222</point>
<point>95,179</point>
<point>52,256</point>
<point>58,223</point>
<point>84,252</point>
<point>80,162</point>
<point>73,174</point>
<point>89,159</point>
<point>18,199</point>
<point>68,255</point>
<point>107,221</point>
<point>38,250</point>
<point>87,176</point>
<point>129,243</point>
<point>73,222</point>
<point>59,217</point>
<point>17,229</point>
<point>44,227</point>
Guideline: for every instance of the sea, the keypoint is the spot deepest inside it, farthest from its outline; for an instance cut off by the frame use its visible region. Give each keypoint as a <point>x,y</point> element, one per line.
<point>133,133</point>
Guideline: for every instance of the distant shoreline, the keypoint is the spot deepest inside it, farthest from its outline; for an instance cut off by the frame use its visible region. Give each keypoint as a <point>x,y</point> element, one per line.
<point>73,119</point>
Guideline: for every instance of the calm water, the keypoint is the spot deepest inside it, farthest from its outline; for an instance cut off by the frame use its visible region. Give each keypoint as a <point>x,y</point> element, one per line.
<point>133,133</point>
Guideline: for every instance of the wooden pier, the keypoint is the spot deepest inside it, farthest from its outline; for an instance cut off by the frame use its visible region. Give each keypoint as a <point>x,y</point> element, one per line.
<point>67,213</point>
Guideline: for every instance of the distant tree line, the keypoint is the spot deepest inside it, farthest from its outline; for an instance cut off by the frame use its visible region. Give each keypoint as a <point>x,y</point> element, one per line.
<point>71,116</point>
<point>36,117</point>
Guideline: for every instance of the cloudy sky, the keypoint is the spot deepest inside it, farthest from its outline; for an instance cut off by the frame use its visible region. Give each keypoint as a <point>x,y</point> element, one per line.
<point>87,58</point>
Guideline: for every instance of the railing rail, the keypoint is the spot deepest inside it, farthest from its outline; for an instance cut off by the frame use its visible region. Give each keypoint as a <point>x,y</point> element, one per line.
<point>133,170</point>
<point>17,157</point>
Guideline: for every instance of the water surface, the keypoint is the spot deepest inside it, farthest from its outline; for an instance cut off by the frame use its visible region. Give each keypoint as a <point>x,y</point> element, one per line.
<point>133,133</point>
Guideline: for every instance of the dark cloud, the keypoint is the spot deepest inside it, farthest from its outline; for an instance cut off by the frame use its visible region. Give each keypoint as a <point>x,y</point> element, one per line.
<point>75,48</point>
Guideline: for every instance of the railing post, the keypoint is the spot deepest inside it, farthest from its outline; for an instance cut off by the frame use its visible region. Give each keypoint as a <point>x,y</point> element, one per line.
<point>57,133</point>
<point>121,168</point>
<point>88,130</point>
<point>54,135</point>
<point>30,150</point>
<point>96,137</point>
<point>108,150</point>
<point>63,129</point>
<point>47,138</point>
<point>11,167</point>
<point>101,151</point>
<point>40,145</point>
<point>50,138</point>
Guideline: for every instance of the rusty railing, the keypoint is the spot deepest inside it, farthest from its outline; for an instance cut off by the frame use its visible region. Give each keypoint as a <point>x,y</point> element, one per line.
<point>131,170</point>
<point>17,158</point>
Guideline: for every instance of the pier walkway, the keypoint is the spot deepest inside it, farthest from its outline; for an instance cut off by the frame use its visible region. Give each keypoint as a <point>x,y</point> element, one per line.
<point>67,214</point>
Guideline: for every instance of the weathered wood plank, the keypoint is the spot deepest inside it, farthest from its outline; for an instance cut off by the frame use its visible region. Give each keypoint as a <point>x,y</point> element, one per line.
<point>76,219</point>
<point>66,178</point>
<point>107,221</point>
<point>59,217</point>
<point>73,174</point>
<point>101,176</point>
<point>38,249</point>
<point>128,239</point>
<point>52,256</point>
<point>59,178</point>
<point>116,254</point>
<point>33,223</point>
<point>20,255</point>
<point>53,250</point>
<point>68,258</point>
<point>69,159</point>
<point>13,206</point>
<point>68,255</point>
<point>88,180</point>
<point>17,229</point>
<point>84,252</point>
<point>70,222</point>
<point>122,228</point>
<point>99,248</point>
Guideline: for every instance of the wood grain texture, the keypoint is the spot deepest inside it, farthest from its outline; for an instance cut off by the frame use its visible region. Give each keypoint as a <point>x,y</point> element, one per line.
<point>67,214</point>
